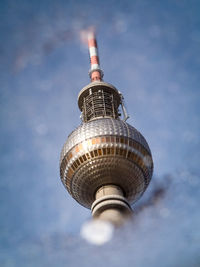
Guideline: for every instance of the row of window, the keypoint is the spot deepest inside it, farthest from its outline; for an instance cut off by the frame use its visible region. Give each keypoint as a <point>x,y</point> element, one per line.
<point>86,145</point>
<point>106,151</point>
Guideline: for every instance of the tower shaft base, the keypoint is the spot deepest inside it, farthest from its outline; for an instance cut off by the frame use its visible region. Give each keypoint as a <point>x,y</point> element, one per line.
<point>111,205</point>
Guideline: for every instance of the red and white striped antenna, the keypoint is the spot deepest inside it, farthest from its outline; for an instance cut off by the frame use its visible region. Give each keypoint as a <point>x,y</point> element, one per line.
<point>96,74</point>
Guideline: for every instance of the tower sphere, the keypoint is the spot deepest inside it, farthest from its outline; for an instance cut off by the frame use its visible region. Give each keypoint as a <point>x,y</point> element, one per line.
<point>102,151</point>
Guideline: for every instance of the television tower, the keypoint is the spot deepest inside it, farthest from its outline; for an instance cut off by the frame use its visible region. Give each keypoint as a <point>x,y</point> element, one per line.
<point>105,164</point>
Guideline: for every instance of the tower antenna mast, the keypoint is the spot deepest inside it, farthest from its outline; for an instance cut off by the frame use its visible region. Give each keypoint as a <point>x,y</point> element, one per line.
<point>96,74</point>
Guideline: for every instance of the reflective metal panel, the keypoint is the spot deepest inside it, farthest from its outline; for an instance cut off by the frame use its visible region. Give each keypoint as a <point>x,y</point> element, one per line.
<point>105,151</point>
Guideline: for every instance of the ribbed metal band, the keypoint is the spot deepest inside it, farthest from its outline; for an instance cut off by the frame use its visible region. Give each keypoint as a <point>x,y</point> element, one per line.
<point>101,127</point>
<point>110,201</point>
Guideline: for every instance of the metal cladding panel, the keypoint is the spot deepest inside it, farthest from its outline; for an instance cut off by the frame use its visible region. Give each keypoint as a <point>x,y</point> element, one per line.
<point>100,127</point>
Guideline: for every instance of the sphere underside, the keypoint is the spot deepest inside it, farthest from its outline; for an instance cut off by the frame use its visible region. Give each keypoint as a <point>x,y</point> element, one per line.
<point>107,170</point>
<point>105,151</point>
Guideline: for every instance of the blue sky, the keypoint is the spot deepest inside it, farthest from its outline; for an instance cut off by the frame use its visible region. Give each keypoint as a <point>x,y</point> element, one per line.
<point>150,51</point>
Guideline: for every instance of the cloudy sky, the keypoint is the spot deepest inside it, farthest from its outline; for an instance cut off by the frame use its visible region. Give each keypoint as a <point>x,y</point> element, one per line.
<point>150,51</point>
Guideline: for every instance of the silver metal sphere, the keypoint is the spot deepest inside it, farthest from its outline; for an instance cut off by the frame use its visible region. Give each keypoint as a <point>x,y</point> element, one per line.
<point>105,151</point>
